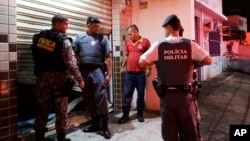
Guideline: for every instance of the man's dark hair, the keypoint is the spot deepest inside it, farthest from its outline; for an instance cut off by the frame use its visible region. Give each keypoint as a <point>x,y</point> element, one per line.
<point>134,27</point>
<point>58,18</point>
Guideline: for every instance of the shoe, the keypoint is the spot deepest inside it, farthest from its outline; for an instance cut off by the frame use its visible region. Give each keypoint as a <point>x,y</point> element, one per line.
<point>92,128</point>
<point>140,117</point>
<point>105,129</point>
<point>123,119</point>
<point>106,133</point>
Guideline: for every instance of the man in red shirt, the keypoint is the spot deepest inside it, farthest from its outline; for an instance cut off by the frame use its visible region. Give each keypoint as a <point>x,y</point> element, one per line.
<point>134,76</point>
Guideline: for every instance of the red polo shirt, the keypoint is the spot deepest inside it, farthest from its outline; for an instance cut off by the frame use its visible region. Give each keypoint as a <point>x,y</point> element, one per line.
<point>134,50</point>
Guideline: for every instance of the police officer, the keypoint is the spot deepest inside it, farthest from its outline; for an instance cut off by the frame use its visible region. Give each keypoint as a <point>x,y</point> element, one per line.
<point>175,57</point>
<point>53,60</point>
<point>94,52</point>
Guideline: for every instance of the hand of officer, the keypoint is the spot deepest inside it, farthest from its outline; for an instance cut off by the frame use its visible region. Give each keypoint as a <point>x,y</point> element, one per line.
<point>108,79</point>
<point>81,84</point>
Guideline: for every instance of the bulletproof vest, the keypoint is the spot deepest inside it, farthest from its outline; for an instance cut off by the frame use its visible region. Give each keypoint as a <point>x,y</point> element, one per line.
<point>46,49</point>
<point>91,49</point>
<point>175,65</point>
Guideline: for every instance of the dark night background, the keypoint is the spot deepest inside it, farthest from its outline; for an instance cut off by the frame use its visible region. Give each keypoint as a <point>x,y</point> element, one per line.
<point>237,7</point>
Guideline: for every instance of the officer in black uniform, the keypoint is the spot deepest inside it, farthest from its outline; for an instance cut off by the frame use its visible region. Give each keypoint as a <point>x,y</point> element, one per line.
<point>54,62</point>
<point>95,62</point>
<point>174,57</point>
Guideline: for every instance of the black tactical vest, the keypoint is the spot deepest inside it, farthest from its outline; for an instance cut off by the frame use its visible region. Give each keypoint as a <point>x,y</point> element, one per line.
<point>46,49</point>
<point>91,50</point>
<point>175,65</point>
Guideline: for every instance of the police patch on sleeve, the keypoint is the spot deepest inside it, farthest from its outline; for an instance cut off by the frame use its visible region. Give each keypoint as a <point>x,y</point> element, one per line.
<point>67,43</point>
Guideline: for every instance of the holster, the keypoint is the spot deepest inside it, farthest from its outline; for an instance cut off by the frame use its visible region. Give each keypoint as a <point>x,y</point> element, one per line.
<point>159,88</point>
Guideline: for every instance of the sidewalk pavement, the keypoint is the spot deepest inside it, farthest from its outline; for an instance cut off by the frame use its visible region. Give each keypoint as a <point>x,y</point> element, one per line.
<point>224,100</point>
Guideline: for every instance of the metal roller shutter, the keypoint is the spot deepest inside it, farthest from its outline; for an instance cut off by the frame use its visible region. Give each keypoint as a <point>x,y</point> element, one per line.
<point>34,15</point>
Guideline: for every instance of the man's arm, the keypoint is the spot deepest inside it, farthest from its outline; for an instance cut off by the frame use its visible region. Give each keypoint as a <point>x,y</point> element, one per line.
<point>109,62</point>
<point>144,64</point>
<point>71,62</point>
<point>124,63</point>
<point>206,61</point>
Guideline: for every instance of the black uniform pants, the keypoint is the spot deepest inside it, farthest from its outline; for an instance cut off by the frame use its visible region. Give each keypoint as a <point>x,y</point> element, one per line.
<point>178,116</point>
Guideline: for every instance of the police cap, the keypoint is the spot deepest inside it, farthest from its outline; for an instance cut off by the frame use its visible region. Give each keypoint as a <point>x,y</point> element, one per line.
<point>92,19</point>
<point>170,20</point>
<point>58,18</point>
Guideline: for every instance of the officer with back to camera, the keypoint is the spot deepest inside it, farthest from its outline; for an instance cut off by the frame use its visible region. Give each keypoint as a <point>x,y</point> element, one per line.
<point>94,53</point>
<point>175,57</point>
<point>54,62</point>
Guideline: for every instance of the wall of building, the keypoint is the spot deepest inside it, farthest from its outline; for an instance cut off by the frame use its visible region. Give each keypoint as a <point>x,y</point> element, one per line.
<point>210,10</point>
<point>149,19</point>
<point>215,68</point>
<point>236,57</point>
<point>8,68</point>
<point>244,58</point>
<point>230,55</point>
<point>213,5</point>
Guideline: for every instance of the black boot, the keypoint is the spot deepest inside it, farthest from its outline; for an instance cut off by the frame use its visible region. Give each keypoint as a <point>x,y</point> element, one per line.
<point>39,135</point>
<point>105,130</point>
<point>125,116</point>
<point>62,137</point>
<point>140,116</point>
<point>95,126</point>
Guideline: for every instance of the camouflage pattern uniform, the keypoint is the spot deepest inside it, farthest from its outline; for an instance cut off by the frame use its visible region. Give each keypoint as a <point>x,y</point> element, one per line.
<point>50,92</point>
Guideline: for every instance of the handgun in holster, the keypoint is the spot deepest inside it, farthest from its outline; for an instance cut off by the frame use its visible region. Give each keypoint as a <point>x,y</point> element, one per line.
<point>159,88</point>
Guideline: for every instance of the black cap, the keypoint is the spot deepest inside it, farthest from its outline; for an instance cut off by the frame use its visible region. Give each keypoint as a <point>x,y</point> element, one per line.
<point>170,19</point>
<point>92,19</point>
<point>58,18</point>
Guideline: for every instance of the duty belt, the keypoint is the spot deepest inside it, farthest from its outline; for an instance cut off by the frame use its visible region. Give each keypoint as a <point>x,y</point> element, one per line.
<point>178,87</point>
<point>89,66</point>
